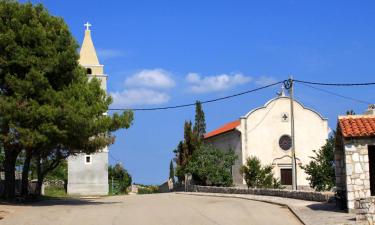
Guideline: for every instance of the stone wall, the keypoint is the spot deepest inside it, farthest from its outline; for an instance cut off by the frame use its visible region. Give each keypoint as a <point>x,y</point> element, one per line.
<point>303,195</point>
<point>365,209</point>
<point>357,175</point>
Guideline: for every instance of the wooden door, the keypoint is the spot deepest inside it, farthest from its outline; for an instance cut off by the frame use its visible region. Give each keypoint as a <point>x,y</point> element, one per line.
<point>286,176</point>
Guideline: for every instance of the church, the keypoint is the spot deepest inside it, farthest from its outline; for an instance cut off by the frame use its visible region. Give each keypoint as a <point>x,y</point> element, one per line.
<point>88,174</point>
<point>265,132</point>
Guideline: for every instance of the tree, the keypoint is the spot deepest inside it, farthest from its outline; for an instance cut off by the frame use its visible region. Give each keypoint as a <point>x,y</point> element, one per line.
<point>171,171</point>
<point>258,176</point>
<point>121,175</point>
<point>45,95</point>
<point>185,150</point>
<point>350,112</point>
<point>211,166</point>
<point>321,169</point>
<point>193,139</point>
<point>200,123</point>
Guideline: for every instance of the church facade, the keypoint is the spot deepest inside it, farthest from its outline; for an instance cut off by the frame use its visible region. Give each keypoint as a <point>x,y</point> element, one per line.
<point>88,174</point>
<point>265,132</point>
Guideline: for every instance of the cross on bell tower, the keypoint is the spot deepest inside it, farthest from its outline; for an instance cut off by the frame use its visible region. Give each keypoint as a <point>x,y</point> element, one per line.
<point>87,25</point>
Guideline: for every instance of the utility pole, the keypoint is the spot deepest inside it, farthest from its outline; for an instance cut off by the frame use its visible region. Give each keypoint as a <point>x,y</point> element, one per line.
<point>294,165</point>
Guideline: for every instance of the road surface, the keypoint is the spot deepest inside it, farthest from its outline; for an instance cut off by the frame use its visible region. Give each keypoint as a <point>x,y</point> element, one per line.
<point>155,209</point>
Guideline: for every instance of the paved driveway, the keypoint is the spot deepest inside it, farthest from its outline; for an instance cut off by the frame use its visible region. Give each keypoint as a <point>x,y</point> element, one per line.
<point>156,209</point>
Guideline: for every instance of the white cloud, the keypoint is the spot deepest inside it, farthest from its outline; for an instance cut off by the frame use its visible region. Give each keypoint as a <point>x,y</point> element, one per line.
<point>156,78</point>
<point>264,80</point>
<point>216,83</point>
<point>108,53</point>
<point>137,97</point>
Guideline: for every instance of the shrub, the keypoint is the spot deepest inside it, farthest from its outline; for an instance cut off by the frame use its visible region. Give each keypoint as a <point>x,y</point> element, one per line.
<point>211,166</point>
<point>258,176</point>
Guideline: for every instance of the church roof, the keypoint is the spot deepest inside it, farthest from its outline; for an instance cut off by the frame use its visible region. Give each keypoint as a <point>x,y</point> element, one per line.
<point>223,129</point>
<point>87,54</point>
<point>357,125</point>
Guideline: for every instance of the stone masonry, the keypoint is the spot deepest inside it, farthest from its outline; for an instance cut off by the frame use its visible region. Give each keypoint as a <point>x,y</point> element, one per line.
<point>357,171</point>
<point>365,210</point>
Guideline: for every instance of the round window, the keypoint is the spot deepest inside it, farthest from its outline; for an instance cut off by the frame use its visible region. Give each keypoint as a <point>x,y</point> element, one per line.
<point>285,142</point>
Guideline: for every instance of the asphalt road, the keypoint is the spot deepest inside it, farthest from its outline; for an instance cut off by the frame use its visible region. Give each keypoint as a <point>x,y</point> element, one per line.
<point>156,209</point>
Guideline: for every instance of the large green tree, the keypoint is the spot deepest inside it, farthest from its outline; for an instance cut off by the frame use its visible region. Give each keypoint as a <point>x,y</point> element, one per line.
<point>211,166</point>
<point>48,108</point>
<point>321,170</point>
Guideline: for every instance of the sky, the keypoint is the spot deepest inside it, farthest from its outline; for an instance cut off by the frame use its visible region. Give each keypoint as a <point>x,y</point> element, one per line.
<point>167,52</point>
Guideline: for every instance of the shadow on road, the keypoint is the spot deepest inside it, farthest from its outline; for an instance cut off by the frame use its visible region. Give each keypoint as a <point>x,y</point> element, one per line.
<point>331,207</point>
<point>65,201</point>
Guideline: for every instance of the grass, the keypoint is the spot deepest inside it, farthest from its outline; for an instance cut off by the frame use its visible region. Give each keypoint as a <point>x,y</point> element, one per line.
<point>55,192</point>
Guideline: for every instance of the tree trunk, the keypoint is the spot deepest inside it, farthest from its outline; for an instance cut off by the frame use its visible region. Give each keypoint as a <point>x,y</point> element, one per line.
<point>40,176</point>
<point>25,173</point>
<point>9,169</point>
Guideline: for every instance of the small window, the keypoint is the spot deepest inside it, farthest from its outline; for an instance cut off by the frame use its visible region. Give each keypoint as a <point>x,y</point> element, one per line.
<point>88,159</point>
<point>89,71</point>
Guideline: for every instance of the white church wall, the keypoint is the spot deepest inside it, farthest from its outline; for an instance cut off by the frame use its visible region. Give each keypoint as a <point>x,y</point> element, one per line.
<point>265,126</point>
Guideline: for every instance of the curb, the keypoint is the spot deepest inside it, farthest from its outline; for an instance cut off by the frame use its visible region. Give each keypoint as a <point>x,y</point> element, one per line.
<point>238,197</point>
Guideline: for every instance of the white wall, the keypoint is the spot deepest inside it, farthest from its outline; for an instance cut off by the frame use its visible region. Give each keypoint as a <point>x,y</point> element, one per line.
<point>262,128</point>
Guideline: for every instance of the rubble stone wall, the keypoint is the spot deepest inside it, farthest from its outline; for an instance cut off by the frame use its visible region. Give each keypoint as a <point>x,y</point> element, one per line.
<point>303,195</point>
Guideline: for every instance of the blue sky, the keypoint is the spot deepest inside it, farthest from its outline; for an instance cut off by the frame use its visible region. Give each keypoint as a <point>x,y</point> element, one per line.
<point>156,53</point>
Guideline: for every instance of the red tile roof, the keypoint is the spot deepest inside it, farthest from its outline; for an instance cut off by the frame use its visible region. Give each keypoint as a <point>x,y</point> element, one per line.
<point>357,125</point>
<point>227,127</point>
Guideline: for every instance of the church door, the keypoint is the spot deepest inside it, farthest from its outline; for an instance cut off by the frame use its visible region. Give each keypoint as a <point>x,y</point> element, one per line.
<point>371,159</point>
<point>286,176</point>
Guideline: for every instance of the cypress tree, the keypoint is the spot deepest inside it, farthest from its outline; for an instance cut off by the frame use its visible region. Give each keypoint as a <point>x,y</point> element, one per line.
<point>200,122</point>
<point>171,171</point>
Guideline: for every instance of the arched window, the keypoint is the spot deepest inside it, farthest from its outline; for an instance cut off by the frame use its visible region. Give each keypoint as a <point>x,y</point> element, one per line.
<point>89,71</point>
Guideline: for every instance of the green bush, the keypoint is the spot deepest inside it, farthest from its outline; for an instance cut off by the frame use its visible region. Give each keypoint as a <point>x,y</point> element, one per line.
<point>151,189</point>
<point>258,176</point>
<point>321,168</point>
<point>211,166</point>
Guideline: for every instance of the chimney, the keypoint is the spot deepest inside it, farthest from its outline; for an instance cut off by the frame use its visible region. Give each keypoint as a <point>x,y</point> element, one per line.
<point>370,110</point>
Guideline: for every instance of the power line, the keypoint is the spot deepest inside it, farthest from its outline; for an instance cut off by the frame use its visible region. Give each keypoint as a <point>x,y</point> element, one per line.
<point>334,84</point>
<point>202,102</point>
<point>338,95</point>
<point>286,83</point>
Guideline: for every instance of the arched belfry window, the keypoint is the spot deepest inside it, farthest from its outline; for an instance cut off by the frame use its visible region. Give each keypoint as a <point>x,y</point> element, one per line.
<point>89,71</point>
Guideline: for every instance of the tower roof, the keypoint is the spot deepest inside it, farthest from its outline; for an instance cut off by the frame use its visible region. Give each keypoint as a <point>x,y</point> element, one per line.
<point>87,54</point>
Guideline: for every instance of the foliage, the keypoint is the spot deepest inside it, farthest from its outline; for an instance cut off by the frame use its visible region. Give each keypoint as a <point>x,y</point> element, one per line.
<point>121,176</point>
<point>321,169</point>
<point>148,189</point>
<point>185,150</point>
<point>49,109</point>
<point>193,139</point>
<point>60,172</point>
<point>258,176</point>
<point>200,123</point>
<point>350,112</point>
<point>171,171</point>
<point>55,192</point>
<point>211,166</point>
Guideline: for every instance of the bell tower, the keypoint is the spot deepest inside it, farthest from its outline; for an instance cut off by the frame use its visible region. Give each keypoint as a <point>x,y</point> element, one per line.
<point>88,174</point>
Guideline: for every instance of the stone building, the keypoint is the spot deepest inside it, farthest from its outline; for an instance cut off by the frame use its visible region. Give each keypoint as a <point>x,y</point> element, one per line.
<point>88,174</point>
<point>265,133</point>
<point>355,157</point>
